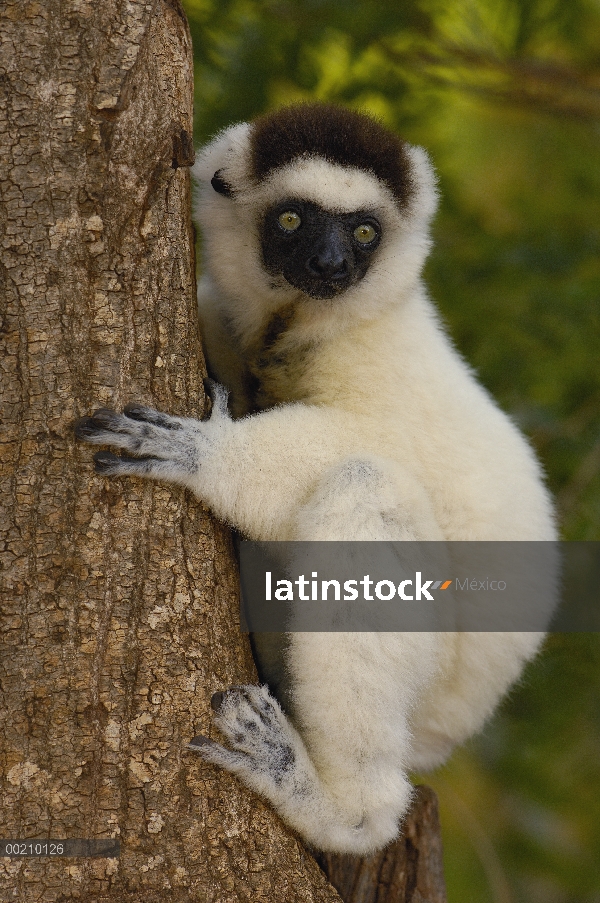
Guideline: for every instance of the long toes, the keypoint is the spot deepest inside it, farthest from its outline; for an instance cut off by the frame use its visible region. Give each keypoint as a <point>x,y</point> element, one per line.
<point>149,415</point>
<point>107,419</point>
<point>235,695</point>
<point>261,700</point>
<point>107,463</point>
<point>256,698</point>
<point>88,427</point>
<point>102,422</point>
<point>230,759</point>
<point>84,428</point>
<point>208,402</point>
<point>244,719</point>
<point>216,399</point>
<point>237,700</point>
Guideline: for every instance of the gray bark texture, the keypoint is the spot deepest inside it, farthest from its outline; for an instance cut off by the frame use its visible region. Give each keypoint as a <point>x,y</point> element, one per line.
<point>118,598</point>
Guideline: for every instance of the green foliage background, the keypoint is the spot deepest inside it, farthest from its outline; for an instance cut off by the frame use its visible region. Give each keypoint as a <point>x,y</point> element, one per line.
<point>505,95</point>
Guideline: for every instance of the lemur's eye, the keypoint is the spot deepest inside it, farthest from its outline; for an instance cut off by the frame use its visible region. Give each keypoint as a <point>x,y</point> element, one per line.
<point>365,233</point>
<point>289,220</point>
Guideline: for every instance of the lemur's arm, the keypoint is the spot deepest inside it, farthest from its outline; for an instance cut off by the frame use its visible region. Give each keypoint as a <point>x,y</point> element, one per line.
<point>259,473</point>
<point>253,473</point>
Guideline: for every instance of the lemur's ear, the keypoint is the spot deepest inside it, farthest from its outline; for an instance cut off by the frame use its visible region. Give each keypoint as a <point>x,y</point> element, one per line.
<point>220,185</point>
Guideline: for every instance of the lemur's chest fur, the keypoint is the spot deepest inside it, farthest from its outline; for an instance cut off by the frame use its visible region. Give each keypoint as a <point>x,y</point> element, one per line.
<point>274,365</point>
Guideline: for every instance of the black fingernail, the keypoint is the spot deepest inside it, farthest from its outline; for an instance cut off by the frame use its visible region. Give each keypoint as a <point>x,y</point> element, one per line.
<point>135,411</point>
<point>199,741</point>
<point>104,417</point>
<point>217,701</point>
<point>104,461</point>
<point>84,427</point>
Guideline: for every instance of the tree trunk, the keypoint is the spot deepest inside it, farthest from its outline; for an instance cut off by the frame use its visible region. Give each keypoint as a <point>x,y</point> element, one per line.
<point>119,599</point>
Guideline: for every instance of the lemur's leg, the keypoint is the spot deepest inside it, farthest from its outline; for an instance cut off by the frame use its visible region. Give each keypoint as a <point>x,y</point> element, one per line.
<point>342,783</point>
<point>356,725</point>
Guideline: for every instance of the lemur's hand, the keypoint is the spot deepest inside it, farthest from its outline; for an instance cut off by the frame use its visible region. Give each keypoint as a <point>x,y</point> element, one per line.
<point>156,445</point>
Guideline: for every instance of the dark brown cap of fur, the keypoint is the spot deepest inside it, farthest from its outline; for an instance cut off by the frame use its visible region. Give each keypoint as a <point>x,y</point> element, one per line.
<point>338,135</point>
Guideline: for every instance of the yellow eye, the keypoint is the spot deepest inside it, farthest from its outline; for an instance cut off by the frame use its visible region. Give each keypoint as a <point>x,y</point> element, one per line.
<point>365,233</point>
<point>289,220</point>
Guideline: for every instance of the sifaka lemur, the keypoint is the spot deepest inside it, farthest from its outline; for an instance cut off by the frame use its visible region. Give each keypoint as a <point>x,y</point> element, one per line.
<point>350,417</point>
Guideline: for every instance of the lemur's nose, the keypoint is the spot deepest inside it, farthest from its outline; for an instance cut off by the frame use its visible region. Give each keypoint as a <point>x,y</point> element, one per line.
<point>330,259</point>
<point>328,267</point>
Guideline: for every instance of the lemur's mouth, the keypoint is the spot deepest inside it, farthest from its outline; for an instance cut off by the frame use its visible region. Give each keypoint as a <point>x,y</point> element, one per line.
<point>329,290</point>
<point>320,288</point>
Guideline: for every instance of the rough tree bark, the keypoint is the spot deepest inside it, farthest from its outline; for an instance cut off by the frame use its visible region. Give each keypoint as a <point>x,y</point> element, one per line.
<point>119,600</point>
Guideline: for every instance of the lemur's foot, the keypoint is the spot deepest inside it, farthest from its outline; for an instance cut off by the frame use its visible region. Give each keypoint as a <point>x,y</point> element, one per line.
<point>263,741</point>
<point>269,756</point>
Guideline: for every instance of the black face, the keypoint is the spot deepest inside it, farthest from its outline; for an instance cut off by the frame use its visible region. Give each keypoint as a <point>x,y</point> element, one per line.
<point>319,252</point>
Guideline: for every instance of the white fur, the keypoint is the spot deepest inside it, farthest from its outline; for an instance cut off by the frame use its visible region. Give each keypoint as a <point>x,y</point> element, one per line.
<point>376,429</point>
